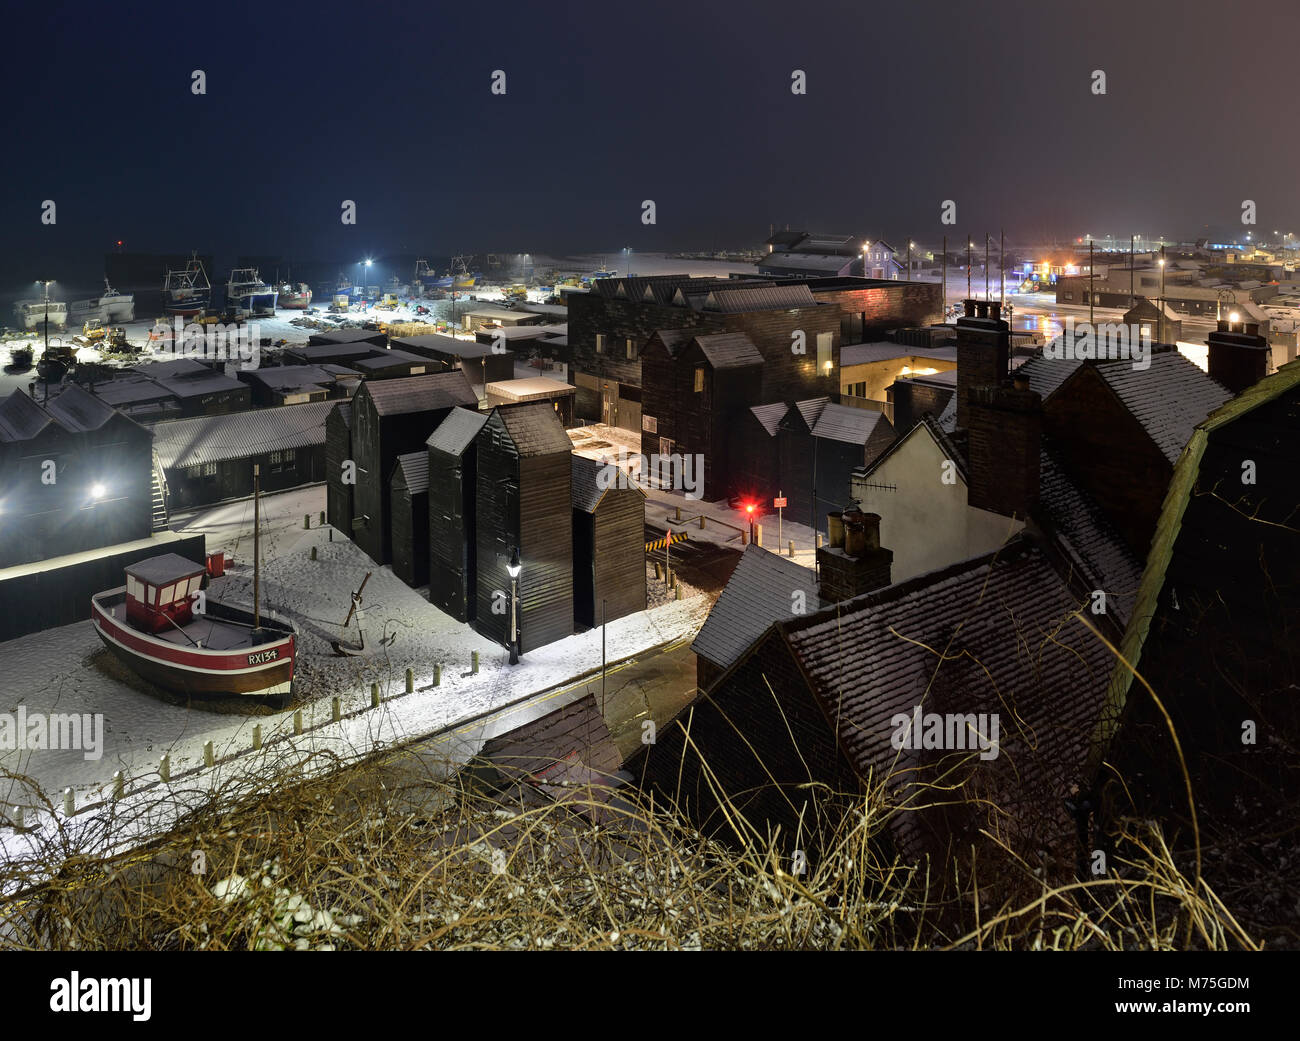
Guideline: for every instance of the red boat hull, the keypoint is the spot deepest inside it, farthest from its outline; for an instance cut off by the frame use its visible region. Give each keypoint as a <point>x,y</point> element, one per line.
<point>264,669</point>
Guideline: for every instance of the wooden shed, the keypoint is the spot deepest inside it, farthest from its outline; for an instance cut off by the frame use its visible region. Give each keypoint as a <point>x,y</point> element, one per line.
<point>524,481</point>
<point>391,417</point>
<point>535,388</point>
<point>608,543</point>
<point>409,505</point>
<point>453,491</point>
<point>477,360</point>
<point>338,450</point>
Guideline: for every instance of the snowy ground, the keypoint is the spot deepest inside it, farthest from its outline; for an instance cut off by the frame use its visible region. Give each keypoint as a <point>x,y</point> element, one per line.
<point>67,670</point>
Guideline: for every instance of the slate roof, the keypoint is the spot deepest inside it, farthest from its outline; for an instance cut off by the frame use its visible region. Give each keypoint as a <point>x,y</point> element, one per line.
<point>852,426</point>
<point>131,390</point>
<point>674,339</point>
<point>454,434</point>
<point>211,439</point>
<point>344,412</point>
<point>947,419</point>
<point>414,470</point>
<point>761,591</point>
<point>21,419</point>
<point>78,411</point>
<point>817,263</point>
<point>291,377</point>
<point>319,353</point>
<point>729,350</point>
<point>770,298</point>
<point>988,635</point>
<point>388,358</point>
<point>340,337</point>
<point>1083,530</point>
<point>534,428</point>
<point>770,416</point>
<point>585,492</point>
<point>448,345</point>
<point>433,390</point>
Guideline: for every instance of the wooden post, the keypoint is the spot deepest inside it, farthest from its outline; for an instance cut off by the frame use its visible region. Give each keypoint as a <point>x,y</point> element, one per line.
<point>679,512</point>
<point>701,522</point>
<point>297,721</point>
<point>758,534</point>
<point>313,553</point>
<point>209,756</point>
<point>331,534</point>
<point>679,592</point>
<point>410,681</point>
<point>473,667</point>
<point>374,695</point>
<point>744,537</point>
<point>17,818</point>
<point>119,784</point>
<point>69,802</point>
<point>165,768</point>
<point>336,708</point>
<point>819,540</point>
<point>306,520</point>
<point>322,516</point>
<point>257,737</point>
<point>437,674</point>
<point>659,571</point>
<point>792,547</point>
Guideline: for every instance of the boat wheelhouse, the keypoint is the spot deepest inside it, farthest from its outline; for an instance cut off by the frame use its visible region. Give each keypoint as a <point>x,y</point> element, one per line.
<point>162,627</point>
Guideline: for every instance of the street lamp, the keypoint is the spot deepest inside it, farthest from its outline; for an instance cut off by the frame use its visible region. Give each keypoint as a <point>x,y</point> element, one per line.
<point>627,251</point>
<point>749,512</point>
<point>98,491</point>
<point>512,569</point>
<point>367,285</point>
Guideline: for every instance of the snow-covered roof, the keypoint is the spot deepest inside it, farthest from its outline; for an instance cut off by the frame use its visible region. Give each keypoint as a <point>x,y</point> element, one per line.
<point>241,435</point>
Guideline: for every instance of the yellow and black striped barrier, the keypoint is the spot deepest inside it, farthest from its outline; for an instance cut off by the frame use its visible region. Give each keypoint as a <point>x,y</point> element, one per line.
<point>671,539</point>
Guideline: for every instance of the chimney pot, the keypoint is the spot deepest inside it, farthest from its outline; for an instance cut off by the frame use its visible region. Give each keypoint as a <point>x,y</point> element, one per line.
<point>969,307</point>
<point>835,528</point>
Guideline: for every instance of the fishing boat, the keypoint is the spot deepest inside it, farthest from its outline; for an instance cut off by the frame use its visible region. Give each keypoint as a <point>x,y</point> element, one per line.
<point>248,296</point>
<point>32,314</point>
<point>461,276</point>
<point>294,298</point>
<point>187,292</point>
<point>164,629</point>
<point>110,306</point>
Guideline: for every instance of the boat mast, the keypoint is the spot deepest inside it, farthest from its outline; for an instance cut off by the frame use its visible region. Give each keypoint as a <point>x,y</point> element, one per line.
<point>257,573</point>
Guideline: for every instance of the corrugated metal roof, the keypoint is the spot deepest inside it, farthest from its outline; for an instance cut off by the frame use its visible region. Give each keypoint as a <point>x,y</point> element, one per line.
<point>534,428</point>
<point>764,588</point>
<point>414,468</point>
<point>729,350</point>
<point>21,419</point>
<point>212,439</point>
<point>388,358</point>
<point>405,394</point>
<point>291,377</point>
<point>447,345</point>
<point>128,390</point>
<point>454,434</point>
<point>811,410</point>
<point>852,426</point>
<point>733,301</point>
<point>770,416</point>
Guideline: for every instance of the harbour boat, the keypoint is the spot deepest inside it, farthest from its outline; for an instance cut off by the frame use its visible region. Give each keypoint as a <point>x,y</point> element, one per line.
<point>20,358</point>
<point>110,306</point>
<point>295,298</point>
<point>461,276</point>
<point>161,627</point>
<point>32,314</point>
<point>248,296</point>
<point>187,292</point>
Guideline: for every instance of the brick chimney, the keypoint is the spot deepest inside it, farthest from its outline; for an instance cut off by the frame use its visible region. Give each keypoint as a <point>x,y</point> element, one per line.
<point>1005,434</point>
<point>1239,356</point>
<point>983,350</point>
<point>853,563</point>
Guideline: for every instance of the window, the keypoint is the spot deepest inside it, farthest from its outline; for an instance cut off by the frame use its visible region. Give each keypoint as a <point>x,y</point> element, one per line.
<point>209,469</point>
<point>649,424</point>
<point>277,457</point>
<point>824,364</point>
<point>194,471</point>
<point>631,349</point>
<point>600,343</point>
<point>168,595</point>
<point>1067,296</point>
<point>699,379</point>
<point>134,588</point>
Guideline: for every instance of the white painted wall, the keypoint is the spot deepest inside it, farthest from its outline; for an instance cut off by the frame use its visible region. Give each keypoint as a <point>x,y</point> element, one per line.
<point>925,522</point>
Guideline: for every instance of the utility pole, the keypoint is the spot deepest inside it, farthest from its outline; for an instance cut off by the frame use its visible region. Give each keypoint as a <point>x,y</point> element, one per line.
<point>986,265</point>
<point>1132,296</point>
<point>257,547</point>
<point>945,279</point>
<point>603,619</point>
<point>1092,293</point>
<point>970,257</point>
<point>1002,265</point>
<point>1161,323</point>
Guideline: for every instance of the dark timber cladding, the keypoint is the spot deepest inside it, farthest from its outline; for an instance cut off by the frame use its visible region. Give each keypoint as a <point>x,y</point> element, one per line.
<point>608,545</point>
<point>81,443</point>
<point>453,474</point>
<point>410,512</point>
<point>338,450</point>
<point>390,418</point>
<point>524,482</point>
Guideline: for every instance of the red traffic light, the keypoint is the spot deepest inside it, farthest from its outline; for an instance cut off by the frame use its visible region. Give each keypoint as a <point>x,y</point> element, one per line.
<point>749,507</point>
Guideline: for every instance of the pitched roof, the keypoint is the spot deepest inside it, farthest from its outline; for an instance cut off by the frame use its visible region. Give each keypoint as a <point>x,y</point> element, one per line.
<point>414,470</point>
<point>586,492</point>
<point>770,416</point>
<point>996,634</point>
<point>1086,534</point>
<point>852,426</point>
<point>763,589</point>
<point>455,433</point>
<point>21,419</point>
<point>343,410</point>
<point>729,350</point>
<point>211,439</point>
<point>768,298</point>
<point>811,410</point>
<point>78,411</point>
<point>388,358</point>
<point>433,390</point>
<point>534,428</point>
<point>291,377</point>
<point>674,339</point>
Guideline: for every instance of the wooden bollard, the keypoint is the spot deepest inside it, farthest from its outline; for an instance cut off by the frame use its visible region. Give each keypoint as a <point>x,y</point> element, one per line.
<point>678,594</point>
<point>679,512</point>
<point>792,547</point>
<point>119,784</point>
<point>17,817</point>
<point>672,579</point>
<point>744,537</point>
<point>659,571</point>
<point>322,516</point>
<point>819,540</point>
<point>473,663</point>
<point>374,695</point>
<point>297,721</point>
<point>313,553</point>
<point>165,768</point>
<point>437,674</point>
<point>209,756</point>
<point>306,520</point>
<point>336,708</point>
<point>69,802</point>
<point>758,534</point>
<point>331,534</point>
<point>257,737</point>
<point>410,681</point>
<point>701,522</point>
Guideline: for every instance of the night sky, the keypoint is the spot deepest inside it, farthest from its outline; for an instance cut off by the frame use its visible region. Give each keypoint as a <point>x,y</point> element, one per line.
<point>607,104</point>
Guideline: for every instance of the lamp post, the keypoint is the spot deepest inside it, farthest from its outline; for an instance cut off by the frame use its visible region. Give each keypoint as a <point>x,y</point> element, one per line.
<point>627,251</point>
<point>512,569</point>
<point>366,287</point>
<point>1161,320</point>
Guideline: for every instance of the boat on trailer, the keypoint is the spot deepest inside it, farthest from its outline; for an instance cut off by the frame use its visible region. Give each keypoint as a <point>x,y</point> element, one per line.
<point>165,628</point>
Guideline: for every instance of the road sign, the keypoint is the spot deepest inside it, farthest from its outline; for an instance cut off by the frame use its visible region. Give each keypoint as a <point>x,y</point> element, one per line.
<point>779,504</point>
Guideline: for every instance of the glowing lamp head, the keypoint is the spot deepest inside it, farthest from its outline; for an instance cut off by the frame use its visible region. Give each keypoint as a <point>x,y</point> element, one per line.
<point>98,491</point>
<point>1234,317</point>
<point>514,566</point>
<point>749,509</point>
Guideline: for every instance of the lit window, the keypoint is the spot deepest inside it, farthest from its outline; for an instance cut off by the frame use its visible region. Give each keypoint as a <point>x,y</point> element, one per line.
<point>168,594</point>
<point>699,379</point>
<point>631,349</point>
<point>600,343</point>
